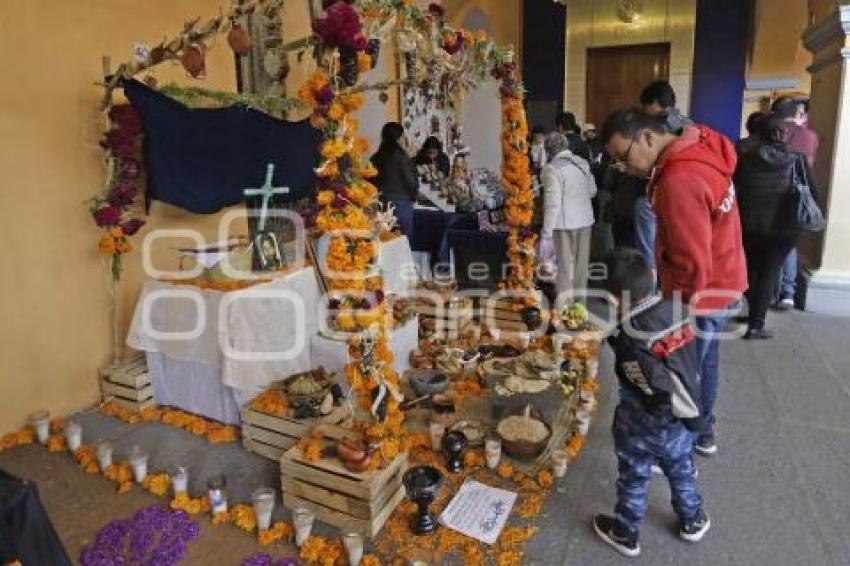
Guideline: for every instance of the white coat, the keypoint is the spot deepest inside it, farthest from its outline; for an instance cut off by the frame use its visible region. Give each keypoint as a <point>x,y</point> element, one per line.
<point>568,186</point>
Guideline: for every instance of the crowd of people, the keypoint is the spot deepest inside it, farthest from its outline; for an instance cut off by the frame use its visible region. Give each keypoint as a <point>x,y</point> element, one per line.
<point>686,224</point>
<point>680,216</point>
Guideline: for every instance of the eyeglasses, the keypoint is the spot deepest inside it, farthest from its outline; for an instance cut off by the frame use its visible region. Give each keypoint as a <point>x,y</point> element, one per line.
<point>625,158</point>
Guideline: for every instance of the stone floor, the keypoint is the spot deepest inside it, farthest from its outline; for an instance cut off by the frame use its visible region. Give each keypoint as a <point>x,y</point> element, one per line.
<point>778,491</point>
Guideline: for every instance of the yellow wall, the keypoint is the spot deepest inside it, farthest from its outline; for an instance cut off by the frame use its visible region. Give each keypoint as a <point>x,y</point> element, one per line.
<point>594,23</point>
<point>505,16</point>
<point>56,325</point>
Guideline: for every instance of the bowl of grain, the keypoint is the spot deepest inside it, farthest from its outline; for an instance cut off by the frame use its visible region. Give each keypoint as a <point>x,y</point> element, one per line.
<point>524,435</point>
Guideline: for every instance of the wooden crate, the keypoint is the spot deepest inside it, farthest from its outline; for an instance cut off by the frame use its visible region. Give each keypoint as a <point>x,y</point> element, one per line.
<point>445,320</point>
<point>271,435</point>
<point>339,497</point>
<point>500,313</point>
<point>128,384</point>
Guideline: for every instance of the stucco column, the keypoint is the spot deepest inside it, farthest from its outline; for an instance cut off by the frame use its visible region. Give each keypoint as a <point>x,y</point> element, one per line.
<point>828,253</point>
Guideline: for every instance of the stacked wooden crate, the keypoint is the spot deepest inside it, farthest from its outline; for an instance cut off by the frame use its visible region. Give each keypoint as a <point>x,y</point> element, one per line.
<point>272,435</point>
<point>449,319</point>
<point>339,497</point>
<point>128,384</point>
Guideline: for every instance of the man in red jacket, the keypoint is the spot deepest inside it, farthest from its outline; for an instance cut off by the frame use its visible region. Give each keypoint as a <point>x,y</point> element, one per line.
<point>698,247</point>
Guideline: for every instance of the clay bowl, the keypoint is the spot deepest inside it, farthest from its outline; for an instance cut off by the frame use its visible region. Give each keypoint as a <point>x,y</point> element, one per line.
<point>521,450</point>
<point>427,381</point>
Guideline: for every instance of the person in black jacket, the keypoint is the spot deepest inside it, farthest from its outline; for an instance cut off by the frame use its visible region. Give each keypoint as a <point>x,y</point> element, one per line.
<point>657,368</point>
<point>764,182</point>
<point>396,181</point>
<point>432,156</point>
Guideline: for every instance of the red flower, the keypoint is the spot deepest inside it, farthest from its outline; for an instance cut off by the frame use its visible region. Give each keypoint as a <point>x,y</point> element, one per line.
<point>341,27</point>
<point>122,194</point>
<point>126,119</point>
<point>107,216</point>
<point>132,226</point>
<point>130,169</point>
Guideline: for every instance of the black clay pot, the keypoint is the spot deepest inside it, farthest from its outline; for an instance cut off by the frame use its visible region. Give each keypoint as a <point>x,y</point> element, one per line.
<point>454,443</point>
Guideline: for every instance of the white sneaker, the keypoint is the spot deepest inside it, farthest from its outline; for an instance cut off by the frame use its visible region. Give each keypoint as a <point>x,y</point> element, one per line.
<point>786,304</point>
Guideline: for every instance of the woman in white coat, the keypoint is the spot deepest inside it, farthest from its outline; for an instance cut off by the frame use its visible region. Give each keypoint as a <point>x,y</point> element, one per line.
<point>568,186</point>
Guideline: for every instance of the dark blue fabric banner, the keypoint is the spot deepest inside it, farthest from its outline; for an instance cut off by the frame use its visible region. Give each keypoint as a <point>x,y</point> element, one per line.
<point>201,159</point>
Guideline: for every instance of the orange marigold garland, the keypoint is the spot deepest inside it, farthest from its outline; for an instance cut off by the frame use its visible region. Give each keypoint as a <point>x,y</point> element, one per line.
<point>356,306</point>
<point>516,178</point>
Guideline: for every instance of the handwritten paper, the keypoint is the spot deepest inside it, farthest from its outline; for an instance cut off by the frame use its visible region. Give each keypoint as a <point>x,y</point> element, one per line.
<point>479,511</point>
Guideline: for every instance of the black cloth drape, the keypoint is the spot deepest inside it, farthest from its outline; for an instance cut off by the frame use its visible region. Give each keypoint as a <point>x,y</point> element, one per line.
<point>201,159</point>
<point>26,533</point>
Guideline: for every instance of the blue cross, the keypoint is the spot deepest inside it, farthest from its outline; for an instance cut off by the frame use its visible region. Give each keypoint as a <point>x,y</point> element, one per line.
<point>267,191</point>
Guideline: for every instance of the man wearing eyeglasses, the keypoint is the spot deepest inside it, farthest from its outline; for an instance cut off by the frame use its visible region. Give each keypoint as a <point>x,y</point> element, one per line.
<point>698,247</point>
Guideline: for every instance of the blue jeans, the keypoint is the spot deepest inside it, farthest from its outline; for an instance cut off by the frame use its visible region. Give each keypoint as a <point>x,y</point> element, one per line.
<point>788,276</point>
<point>640,440</point>
<point>404,214</point>
<point>645,227</point>
<point>708,352</point>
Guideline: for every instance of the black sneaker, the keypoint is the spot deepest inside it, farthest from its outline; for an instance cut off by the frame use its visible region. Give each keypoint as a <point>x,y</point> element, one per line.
<point>705,445</point>
<point>614,533</point>
<point>758,334</point>
<point>695,529</point>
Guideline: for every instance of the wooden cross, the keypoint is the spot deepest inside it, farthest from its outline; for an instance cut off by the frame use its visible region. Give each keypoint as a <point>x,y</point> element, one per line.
<point>267,191</point>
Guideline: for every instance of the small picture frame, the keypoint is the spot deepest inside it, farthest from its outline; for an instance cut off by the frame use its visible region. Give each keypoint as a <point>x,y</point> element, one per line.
<point>267,251</point>
<point>497,216</point>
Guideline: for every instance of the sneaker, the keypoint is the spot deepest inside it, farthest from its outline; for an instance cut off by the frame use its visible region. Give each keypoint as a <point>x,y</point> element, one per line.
<point>758,334</point>
<point>785,304</point>
<point>614,533</point>
<point>695,529</point>
<point>656,470</point>
<point>705,445</point>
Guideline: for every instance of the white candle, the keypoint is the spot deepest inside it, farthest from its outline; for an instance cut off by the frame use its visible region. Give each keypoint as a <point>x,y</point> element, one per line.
<point>73,435</point>
<point>302,518</point>
<point>592,366</point>
<point>583,422</point>
<point>560,461</point>
<point>492,452</point>
<point>180,480</point>
<point>353,543</point>
<point>436,430</point>
<point>104,454</point>
<point>40,421</point>
<point>263,506</point>
<point>139,462</point>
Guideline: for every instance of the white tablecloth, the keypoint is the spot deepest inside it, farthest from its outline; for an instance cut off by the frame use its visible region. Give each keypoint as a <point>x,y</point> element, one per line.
<point>395,260</point>
<point>194,387</point>
<point>333,354</point>
<point>249,337</point>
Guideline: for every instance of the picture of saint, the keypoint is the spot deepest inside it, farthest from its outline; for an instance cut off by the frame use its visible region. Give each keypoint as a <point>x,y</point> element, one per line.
<point>268,251</point>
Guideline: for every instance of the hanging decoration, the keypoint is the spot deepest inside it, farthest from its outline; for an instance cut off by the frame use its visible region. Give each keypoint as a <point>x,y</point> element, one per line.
<point>116,210</point>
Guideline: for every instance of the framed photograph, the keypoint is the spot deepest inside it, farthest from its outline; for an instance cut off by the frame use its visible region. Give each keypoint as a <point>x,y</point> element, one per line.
<point>267,251</point>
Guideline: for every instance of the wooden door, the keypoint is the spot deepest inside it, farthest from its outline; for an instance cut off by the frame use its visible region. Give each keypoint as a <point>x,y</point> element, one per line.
<point>617,75</point>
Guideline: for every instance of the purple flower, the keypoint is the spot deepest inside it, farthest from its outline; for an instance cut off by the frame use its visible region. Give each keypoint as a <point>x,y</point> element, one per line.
<point>152,536</point>
<point>107,216</point>
<point>130,169</point>
<point>122,194</point>
<point>126,119</point>
<point>132,226</point>
<point>325,96</point>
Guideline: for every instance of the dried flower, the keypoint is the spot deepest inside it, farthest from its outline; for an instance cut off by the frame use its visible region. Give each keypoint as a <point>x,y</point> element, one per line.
<point>107,216</point>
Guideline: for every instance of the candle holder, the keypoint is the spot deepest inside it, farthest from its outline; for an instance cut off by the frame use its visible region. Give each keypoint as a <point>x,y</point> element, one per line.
<point>454,443</point>
<point>421,484</point>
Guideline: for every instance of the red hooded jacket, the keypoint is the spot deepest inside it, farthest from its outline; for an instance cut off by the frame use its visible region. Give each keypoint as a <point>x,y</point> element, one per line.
<point>698,246</point>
